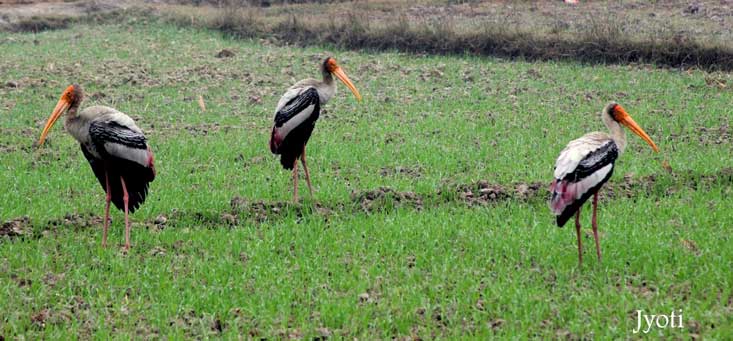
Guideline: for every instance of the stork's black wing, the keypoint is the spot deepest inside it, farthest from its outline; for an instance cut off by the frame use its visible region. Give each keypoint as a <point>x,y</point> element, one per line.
<point>595,160</point>
<point>294,123</point>
<point>123,154</point>
<point>297,105</point>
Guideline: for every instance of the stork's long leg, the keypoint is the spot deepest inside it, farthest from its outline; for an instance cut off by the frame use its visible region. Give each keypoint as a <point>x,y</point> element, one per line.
<point>305,168</point>
<point>127,221</point>
<point>295,182</point>
<point>595,226</point>
<point>106,210</point>
<point>580,243</point>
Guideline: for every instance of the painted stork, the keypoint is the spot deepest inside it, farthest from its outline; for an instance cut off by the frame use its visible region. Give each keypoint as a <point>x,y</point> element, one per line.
<point>116,149</point>
<point>585,165</point>
<point>296,115</point>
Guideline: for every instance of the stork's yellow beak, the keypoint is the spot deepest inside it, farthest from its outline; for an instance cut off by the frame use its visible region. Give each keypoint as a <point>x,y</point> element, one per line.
<point>345,79</point>
<point>60,108</point>
<point>624,118</point>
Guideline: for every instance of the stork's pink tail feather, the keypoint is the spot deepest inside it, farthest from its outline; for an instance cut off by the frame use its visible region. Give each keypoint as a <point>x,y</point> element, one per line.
<point>563,194</point>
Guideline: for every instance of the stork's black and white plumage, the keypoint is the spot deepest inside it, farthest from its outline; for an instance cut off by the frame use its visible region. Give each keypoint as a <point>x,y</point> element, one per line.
<point>296,115</point>
<point>116,149</point>
<point>585,165</point>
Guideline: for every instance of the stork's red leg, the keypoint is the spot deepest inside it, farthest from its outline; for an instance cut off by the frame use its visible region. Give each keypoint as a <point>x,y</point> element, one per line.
<point>295,182</point>
<point>580,243</point>
<point>106,210</point>
<point>595,226</point>
<point>127,221</point>
<point>305,168</point>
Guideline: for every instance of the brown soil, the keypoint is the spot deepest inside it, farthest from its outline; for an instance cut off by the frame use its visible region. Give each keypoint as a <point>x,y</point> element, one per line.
<point>384,198</point>
<point>78,220</point>
<point>35,16</point>
<point>225,53</point>
<point>479,193</point>
<point>191,323</point>
<point>707,135</point>
<point>482,192</point>
<point>665,33</point>
<point>411,172</point>
<point>258,210</point>
<point>16,227</point>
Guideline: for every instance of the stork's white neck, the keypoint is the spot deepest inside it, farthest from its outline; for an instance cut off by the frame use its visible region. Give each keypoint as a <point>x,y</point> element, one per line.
<point>326,89</point>
<point>77,126</point>
<point>617,131</point>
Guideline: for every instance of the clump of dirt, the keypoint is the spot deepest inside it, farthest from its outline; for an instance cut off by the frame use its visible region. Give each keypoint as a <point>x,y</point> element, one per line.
<point>22,282</point>
<point>384,198</point>
<point>54,317</point>
<point>527,191</point>
<point>225,53</point>
<point>259,210</point>
<point>719,135</point>
<point>631,186</point>
<point>16,227</point>
<point>39,318</point>
<point>230,219</point>
<point>207,218</point>
<point>690,246</point>
<point>205,128</point>
<point>160,221</point>
<point>191,323</point>
<point>78,220</point>
<point>482,192</point>
<point>157,251</point>
<point>635,284</point>
<point>412,172</point>
<point>50,279</point>
<point>7,148</point>
<point>706,135</point>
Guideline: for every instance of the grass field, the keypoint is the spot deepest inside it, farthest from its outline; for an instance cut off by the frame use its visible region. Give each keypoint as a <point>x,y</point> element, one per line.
<point>399,239</point>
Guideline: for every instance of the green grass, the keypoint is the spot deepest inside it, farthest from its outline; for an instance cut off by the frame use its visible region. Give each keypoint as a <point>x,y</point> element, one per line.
<point>445,269</point>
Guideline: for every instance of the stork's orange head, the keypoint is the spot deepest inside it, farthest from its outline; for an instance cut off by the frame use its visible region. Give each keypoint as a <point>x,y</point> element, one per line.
<point>330,66</point>
<point>620,115</point>
<point>70,99</point>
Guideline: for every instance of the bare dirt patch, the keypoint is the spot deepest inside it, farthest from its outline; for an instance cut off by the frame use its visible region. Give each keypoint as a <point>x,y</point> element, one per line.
<point>16,227</point>
<point>707,135</point>
<point>225,53</point>
<point>36,16</point>
<point>411,172</point>
<point>385,198</point>
<point>631,185</point>
<point>191,323</point>
<point>78,221</point>
<point>257,210</point>
<point>640,32</point>
<point>482,192</point>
